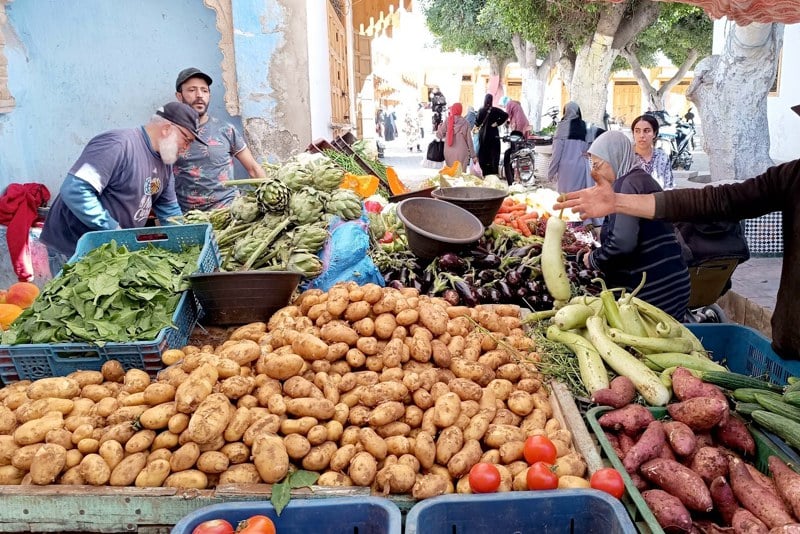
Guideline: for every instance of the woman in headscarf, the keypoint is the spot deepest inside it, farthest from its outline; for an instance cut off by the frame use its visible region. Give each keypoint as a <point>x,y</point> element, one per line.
<point>568,164</point>
<point>488,120</point>
<point>457,136</point>
<point>517,121</point>
<point>631,246</point>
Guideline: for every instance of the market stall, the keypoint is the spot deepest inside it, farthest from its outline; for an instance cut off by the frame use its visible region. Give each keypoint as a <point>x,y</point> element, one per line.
<point>413,359</point>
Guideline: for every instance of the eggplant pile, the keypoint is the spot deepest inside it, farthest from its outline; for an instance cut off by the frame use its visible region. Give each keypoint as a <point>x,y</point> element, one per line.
<point>503,268</point>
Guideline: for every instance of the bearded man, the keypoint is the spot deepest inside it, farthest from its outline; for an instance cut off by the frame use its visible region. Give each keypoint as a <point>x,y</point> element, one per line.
<point>118,178</point>
<point>201,171</point>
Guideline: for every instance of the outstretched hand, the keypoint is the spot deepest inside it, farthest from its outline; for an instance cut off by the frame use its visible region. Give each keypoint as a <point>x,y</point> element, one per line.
<point>592,202</point>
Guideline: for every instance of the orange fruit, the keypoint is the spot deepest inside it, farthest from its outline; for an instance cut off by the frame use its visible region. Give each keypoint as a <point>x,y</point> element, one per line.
<point>22,294</point>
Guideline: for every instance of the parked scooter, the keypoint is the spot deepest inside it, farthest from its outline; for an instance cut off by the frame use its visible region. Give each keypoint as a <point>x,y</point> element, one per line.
<point>676,138</point>
<point>518,159</point>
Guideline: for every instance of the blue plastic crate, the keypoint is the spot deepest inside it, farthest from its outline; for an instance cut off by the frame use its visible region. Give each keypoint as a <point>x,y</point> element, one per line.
<point>744,351</point>
<point>340,515</point>
<point>36,361</point>
<point>521,512</point>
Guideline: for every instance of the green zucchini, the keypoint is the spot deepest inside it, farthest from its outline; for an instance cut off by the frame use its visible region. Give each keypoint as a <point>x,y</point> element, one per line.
<point>729,380</point>
<point>793,380</point>
<point>793,386</point>
<point>792,397</point>
<point>747,408</point>
<point>778,407</point>
<point>749,394</point>
<point>697,362</point>
<point>784,428</point>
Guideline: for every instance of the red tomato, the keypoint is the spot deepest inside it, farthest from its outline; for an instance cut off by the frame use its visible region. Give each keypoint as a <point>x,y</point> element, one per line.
<point>257,524</point>
<point>608,480</point>
<point>215,526</point>
<point>541,477</point>
<point>540,449</point>
<point>388,237</point>
<point>484,478</point>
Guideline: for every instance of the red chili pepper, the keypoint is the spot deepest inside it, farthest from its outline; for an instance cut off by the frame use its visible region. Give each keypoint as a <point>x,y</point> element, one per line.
<point>372,206</point>
<point>388,237</point>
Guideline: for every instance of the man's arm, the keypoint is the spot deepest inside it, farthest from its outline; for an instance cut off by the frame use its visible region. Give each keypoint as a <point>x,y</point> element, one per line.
<point>600,200</point>
<point>250,164</point>
<point>82,200</point>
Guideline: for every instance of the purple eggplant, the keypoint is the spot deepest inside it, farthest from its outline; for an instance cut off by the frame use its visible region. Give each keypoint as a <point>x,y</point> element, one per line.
<point>483,295</point>
<point>466,292</point>
<point>451,296</point>
<point>489,261</point>
<point>452,263</point>
<point>396,284</point>
<point>513,278</point>
<point>505,292</point>
<point>488,275</point>
<point>494,295</point>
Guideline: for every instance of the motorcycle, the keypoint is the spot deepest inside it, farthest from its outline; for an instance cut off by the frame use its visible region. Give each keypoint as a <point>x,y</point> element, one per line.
<point>676,138</point>
<point>518,159</point>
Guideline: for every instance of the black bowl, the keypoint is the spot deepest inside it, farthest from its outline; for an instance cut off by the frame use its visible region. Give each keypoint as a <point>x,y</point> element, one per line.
<point>434,227</point>
<point>482,202</point>
<point>242,297</point>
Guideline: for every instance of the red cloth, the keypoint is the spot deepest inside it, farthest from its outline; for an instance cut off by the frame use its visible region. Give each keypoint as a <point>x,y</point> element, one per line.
<point>743,12</point>
<point>455,111</point>
<point>18,210</point>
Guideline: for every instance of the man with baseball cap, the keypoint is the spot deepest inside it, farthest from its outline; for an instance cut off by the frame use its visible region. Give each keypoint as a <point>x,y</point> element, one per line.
<point>201,171</point>
<point>777,189</point>
<point>118,178</point>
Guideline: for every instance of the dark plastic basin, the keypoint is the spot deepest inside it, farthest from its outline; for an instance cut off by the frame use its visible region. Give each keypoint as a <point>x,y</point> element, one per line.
<point>482,202</point>
<point>243,297</point>
<point>434,227</point>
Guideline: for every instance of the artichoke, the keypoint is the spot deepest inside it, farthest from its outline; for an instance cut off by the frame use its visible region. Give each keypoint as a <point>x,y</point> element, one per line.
<point>345,204</point>
<point>245,209</point>
<point>245,248</point>
<point>305,206</point>
<point>305,263</point>
<point>195,217</point>
<point>294,175</point>
<point>273,195</point>
<point>310,237</point>
<point>325,174</point>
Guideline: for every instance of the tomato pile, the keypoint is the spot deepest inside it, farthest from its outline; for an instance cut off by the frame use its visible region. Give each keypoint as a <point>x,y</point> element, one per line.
<point>257,524</point>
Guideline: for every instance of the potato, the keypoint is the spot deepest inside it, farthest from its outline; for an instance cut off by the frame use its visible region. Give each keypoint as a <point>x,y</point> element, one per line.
<point>251,331</point>
<point>699,413</point>
<point>319,457</point>
<point>430,485</point>
<point>520,402</point>
<point>127,471</point>
<point>342,457</point>
<point>242,352</point>
<point>185,457</point>
<point>63,388</point>
<point>363,468</point>
<point>446,410</point>
<point>158,393</point>
<point>281,366</point>
<point>238,424</point>
<point>242,473</point>
<point>34,431</point>
<point>396,478</point>
<point>460,464</point>
<point>10,475</point>
<point>141,441</point>
<point>332,478</point>
<point>190,479</point>
<point>498,434</point>
<point>386,413</point>
<point>572,482</point>
<point>7,448</point>
<point>270,458</point>
<point>310,407</point>
<point>94,470</point>
<point>372,443</point>
<point>38,408</point>
<point>135,381</point>
<point>112,452</point>
<point>112,371</point>
<point>8,421</point>
<point>425,449</point>
<point>199,385</point>
<point>153,474</point>
<point>178,423</point>
<point>297,446</point>
<point>210,419</point>
<point>296,426</point>
<point>310,347</point>
<point>212,462</point>
<point>450,441</point>
<point>237,452</point>
<point>384,325</point>
<point>72,477</point>
<point>48,462</point>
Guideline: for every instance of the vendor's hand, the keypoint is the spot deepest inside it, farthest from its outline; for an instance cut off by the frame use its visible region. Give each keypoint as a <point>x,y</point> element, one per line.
<point>586,261</point>
<point>592,202</point>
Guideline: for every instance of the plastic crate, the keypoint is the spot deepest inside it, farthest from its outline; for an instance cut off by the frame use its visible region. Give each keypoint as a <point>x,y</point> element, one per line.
<point>36,361</point>
<point>521,512</point>
<point>634,502</point>
<point>339,515</point>
<point>744,351</point>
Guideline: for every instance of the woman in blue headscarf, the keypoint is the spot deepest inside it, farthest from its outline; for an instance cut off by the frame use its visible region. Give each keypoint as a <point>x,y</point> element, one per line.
<point>568,165</point>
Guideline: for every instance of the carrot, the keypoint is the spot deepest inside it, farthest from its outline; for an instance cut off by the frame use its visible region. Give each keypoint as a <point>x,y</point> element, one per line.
<point>526,230</point>
<point>503,216</point>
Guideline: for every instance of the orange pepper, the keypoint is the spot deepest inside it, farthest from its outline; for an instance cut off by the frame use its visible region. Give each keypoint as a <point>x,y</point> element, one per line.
<point>395,185</point>
<point>367,185</point>
<point>452,170</point>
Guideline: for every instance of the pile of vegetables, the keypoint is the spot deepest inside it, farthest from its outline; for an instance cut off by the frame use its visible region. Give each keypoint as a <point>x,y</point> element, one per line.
<point>282,223</point>
<point>690,463</point>
<point>365,386</point>
<point>112,294</point>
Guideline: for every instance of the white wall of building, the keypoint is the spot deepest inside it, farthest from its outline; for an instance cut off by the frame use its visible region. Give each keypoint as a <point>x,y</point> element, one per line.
<point>318,71</point>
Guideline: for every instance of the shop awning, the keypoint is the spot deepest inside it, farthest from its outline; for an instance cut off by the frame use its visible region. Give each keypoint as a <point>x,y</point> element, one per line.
<point>744,12</point>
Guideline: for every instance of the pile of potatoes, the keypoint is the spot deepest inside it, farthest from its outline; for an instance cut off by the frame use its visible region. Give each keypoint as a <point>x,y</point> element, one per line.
<point>368,386</point>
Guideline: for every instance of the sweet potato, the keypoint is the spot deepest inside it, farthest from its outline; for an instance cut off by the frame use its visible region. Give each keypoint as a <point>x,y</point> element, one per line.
<point>686,386</point>
<point>699,413</point>
<point>733,433</point>
<point>680,481</point>
<point>648,447</point>
<point>787,482</point>
<point>680,437</point>
<point>709,463</point>
<point>764,505</point>
<point>668,510</point>
<point>620,392</point>
<point>745,522</point>
<point>631,419</point>
<point>794,528</point>
<point>724,500</point>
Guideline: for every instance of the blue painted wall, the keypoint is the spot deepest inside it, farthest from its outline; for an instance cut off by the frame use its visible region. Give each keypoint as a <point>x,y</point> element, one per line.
<point>79,67</point>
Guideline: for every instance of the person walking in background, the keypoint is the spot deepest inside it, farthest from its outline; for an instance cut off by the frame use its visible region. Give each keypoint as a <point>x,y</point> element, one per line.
<point>379,122</point>
<point>632,246</point>
<point>438,106</point>
<point>568,165</point>
<point>471,117</point>
<point>202,170</point>
<point>389,125</point>
<point>411,128</point>
<point>517,121</point>
<point>457,136</point>
<point>653,160</point>
<point>488,121</point>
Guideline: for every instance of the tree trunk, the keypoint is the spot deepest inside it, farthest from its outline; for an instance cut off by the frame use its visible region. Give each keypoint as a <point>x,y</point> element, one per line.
<point>656,97</point>
<point>730,91</point>
<point>534,78</point>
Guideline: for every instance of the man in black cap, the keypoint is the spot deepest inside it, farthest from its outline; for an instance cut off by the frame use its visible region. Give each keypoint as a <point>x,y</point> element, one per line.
<point>201,170</point>
<point>777,189</point>
<point>118,178</point>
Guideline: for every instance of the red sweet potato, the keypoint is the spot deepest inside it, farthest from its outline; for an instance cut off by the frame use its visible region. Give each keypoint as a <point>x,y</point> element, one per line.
<point>613,440</point>
<point>744,522</point>
<point>680,481</point>
<point>648,447</point>
<point>761,479</point>
<point>638,482</point>
<point>764,505</point>
<point>787,482</point>
<point>680,438</point>
<point>705,526</point>
<point>619,393</point>
<point>724,500</point>
<point>687,386</point>
<point>794,528</point>
<point>625,444</point>
<point>699,413</point>
<point>668,510</point>
<point>733,433</point>
<point>709,463</point>
<point>631,419</point>
<point>666,452</point>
